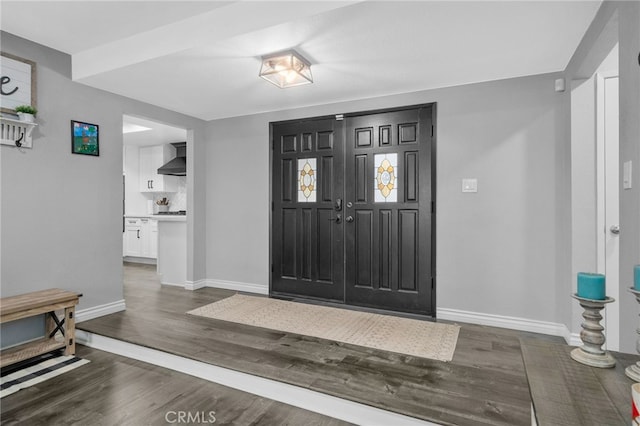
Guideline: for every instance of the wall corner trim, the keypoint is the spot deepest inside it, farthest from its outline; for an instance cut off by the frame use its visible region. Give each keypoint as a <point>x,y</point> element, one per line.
<point>195,285</point>
<point>174,284</point>
<point>238,286</point>
<point>100,310</point>
<point>513,323</point>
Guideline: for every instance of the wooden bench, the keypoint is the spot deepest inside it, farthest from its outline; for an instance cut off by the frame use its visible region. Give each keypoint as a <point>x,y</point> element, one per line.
<point>38,303</point>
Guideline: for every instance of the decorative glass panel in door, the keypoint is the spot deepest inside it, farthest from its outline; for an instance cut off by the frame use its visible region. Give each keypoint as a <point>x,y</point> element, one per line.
<point>307,173</point>
<point>385,171</point>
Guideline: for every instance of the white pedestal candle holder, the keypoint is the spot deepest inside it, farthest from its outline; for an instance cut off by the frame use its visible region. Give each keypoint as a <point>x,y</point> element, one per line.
<point>591,352</point>
<point>633,371</point>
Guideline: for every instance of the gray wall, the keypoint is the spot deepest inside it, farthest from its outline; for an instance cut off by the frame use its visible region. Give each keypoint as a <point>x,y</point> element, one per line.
<point>496,250</point>
<point>629,34</point>
<point>61,213</point>
<point>615,22</point>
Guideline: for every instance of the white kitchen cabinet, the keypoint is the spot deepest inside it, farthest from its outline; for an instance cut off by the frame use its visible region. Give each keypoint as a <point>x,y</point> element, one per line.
<point>141,237</point>
<point>151,158</point>
<point>132,237</point>
<point>149,246</point>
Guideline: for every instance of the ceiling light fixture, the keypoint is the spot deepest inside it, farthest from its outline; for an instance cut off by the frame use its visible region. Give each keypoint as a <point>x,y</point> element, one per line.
<point>286,69</point>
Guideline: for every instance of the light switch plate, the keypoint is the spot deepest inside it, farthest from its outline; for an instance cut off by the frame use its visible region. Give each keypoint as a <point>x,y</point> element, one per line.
<point>469,185</point>
<point>627,175</point>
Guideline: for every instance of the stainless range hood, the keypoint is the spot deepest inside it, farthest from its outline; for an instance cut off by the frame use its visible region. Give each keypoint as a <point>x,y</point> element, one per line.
<point>177,166</point>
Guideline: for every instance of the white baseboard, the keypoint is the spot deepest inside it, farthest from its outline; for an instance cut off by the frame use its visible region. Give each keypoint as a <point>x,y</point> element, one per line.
<point>145,260</point>
<point>573,339</point>
<point>195,285</point>
<point>172,284</point>
<point>227,285</point>
<point>307,399</point>
<point>100,310</point>
<point>514,323</point>
<point>21,343</point>
<point>238,286</point>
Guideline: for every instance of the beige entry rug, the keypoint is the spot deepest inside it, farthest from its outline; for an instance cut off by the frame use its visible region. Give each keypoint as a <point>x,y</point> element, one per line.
<point>389,333</point>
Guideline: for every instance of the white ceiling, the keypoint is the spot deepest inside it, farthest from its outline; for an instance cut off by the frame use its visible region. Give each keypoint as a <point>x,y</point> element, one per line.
<point>156,133</point>
<point>202,58</point>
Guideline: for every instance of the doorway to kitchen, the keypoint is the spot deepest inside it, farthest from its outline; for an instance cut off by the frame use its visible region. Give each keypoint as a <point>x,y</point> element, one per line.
<point>155,192</point>
<point>353,209</point>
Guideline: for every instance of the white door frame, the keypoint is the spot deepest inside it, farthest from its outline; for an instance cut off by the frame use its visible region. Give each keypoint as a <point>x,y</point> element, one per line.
<point>607,170</point>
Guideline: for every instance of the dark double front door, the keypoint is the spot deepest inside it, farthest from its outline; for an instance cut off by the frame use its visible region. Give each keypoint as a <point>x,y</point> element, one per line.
<point>352,210</point>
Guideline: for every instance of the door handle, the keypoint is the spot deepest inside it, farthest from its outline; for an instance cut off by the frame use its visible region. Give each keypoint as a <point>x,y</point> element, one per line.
<point>338,205</point>
<point>138,233</point>
<point>615,229</point>
<point>349,219</point>
<point>336,219</point>
<point>151,184</point>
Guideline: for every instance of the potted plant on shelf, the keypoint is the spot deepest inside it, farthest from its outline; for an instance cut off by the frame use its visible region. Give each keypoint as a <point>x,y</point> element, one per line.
<point>26,113</point>
<point>163,204</point>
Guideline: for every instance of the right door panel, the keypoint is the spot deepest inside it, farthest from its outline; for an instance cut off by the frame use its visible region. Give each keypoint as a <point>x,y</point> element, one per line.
<point>388,196</point>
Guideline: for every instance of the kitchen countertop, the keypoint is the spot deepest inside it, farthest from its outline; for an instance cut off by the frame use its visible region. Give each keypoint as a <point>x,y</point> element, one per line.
<point>165,217</point>
<point>169,217</point>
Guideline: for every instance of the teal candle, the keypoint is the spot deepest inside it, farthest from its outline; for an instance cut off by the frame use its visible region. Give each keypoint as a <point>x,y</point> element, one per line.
<point>591,286</point>
<point>636,277</point>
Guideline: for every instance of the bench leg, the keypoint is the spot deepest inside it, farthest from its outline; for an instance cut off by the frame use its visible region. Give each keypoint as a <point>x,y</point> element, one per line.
<point>49,324</point>
<point>70,330</point>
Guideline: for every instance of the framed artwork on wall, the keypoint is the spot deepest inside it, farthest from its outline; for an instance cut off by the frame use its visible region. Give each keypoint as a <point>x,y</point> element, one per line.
<point>17,82</point>
<point>85,138</point>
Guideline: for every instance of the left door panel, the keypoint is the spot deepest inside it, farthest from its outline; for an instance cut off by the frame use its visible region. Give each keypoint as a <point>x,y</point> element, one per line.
<point>308,231</point>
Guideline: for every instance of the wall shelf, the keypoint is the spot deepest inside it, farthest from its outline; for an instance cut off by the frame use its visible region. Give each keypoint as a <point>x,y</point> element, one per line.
<point>12,130</point>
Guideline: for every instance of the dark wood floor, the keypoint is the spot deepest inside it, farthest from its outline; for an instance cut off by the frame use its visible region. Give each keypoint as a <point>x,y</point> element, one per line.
<point>485,384</point>
<point>113,390</point>
<point>568,393</point>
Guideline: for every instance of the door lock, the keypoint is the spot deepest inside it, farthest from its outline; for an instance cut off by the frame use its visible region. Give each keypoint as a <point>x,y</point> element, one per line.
<point>349,219</point>
<point>338,204</point>
<point>337,219</point>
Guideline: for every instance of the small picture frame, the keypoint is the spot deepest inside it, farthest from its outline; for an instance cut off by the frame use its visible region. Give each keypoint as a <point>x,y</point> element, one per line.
<point>85,138</point>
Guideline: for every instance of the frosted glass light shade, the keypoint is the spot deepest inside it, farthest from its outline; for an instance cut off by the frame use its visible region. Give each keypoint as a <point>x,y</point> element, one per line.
<point>286,69</point>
